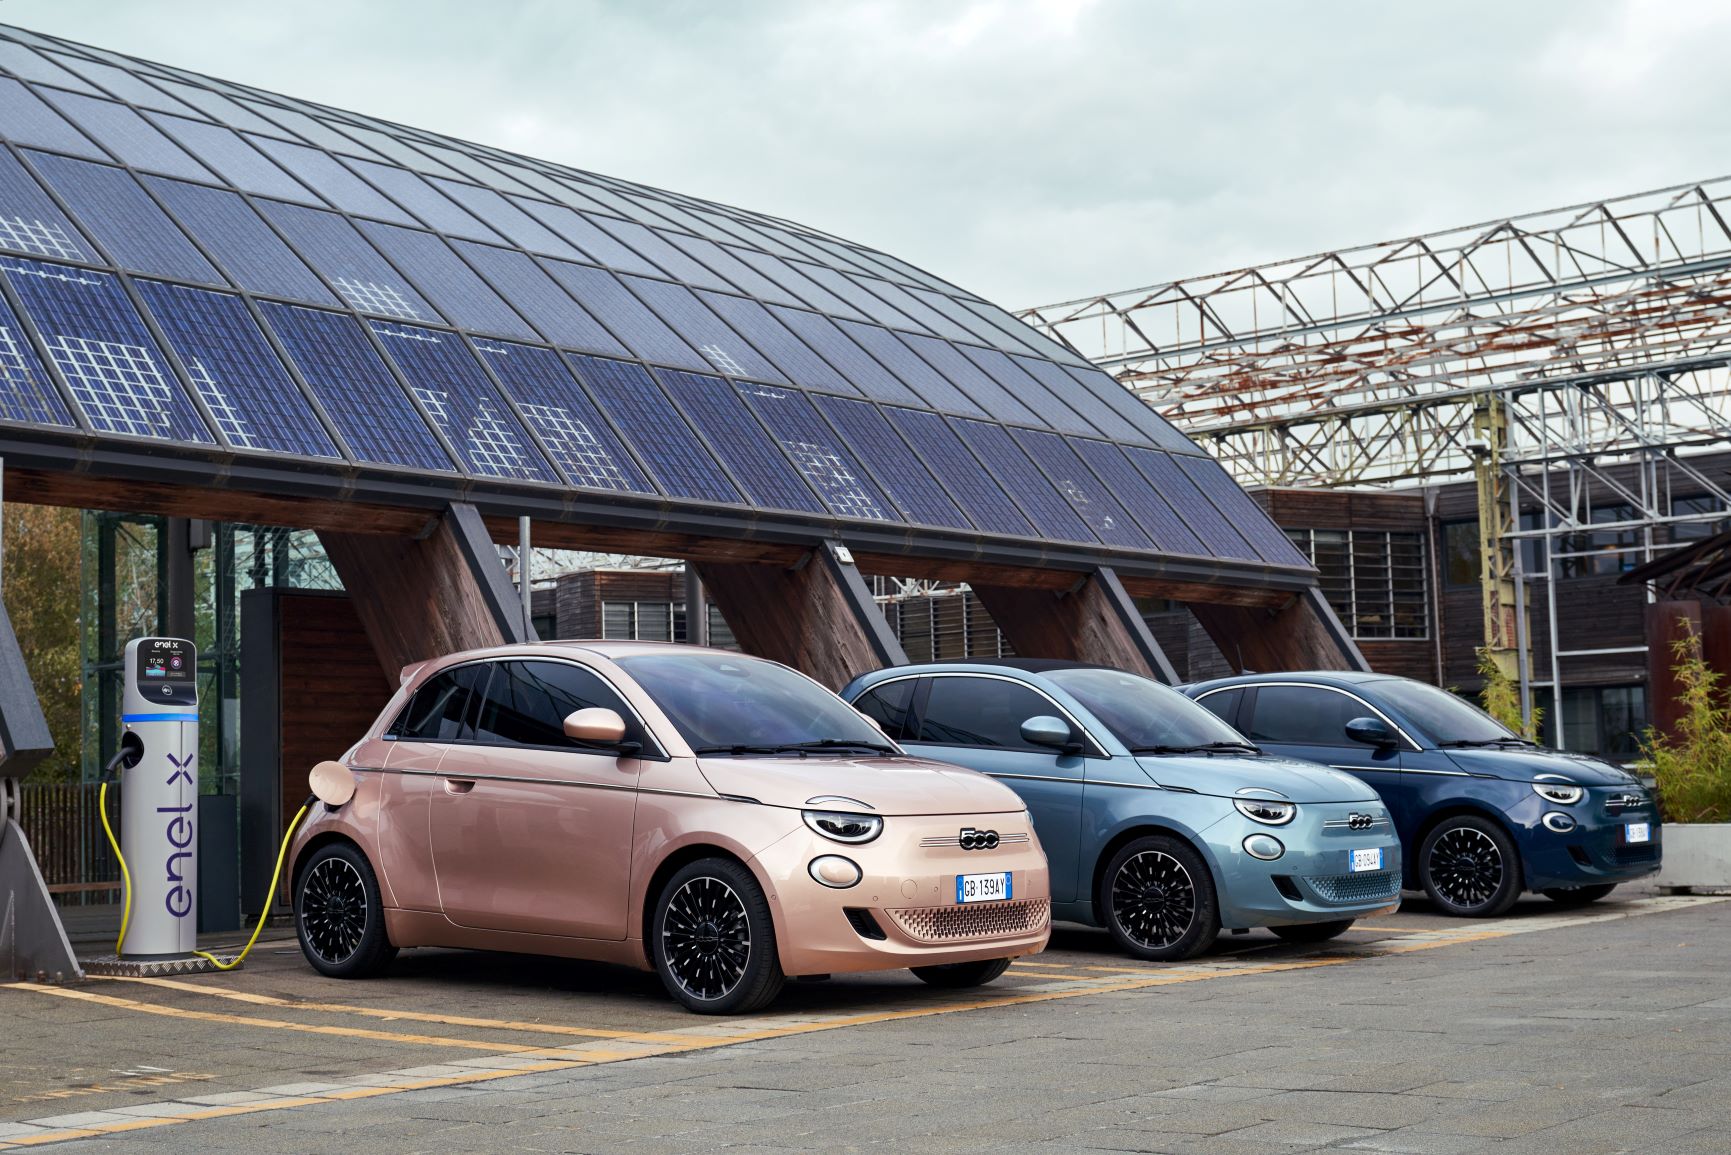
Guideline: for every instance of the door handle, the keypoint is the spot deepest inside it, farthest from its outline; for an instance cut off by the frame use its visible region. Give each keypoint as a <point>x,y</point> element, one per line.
<point>459,785</point>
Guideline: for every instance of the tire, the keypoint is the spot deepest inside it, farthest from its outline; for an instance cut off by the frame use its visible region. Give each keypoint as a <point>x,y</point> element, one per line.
<point>712,939</point>
<point>1571,896</point>
<point>1157,898</point>
<point>1470,868</point>
<point>955,976</point>
<point>339,917</point>
<point>1313,931</point>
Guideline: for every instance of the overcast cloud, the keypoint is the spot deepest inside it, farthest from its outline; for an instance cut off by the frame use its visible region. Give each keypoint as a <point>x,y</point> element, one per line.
<point>1031,150</point>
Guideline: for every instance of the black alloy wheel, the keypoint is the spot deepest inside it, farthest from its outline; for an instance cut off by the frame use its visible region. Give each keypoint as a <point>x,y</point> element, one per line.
<point>339,917</point>
<point>1470,868</point>
<point>1572,896</point>
<point>1158,900</point>
<point>713,942</point>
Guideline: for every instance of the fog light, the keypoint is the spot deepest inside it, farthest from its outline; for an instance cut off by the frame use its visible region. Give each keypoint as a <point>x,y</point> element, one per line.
<point>1559,822</point>
<point>1264,846</point>
<point>836,871</point>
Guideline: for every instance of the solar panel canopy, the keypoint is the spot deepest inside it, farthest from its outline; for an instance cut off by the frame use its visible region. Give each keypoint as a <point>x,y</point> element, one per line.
<point>204,271</point>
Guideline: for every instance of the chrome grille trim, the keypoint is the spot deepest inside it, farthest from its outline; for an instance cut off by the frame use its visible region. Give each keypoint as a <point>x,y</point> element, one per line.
<point>973,920</point>
<point>1346,824</point>
<point>956,840</point>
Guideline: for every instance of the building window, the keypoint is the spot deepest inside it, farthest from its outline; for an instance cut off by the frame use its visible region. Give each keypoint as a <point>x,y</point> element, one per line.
<point>1605,720</point>
<point>1374,579</point>
<point>644,621</point>
<point>1461,553</point>
<point>1602,552</point>
<point>1695,505</point>
<point>945,622</point>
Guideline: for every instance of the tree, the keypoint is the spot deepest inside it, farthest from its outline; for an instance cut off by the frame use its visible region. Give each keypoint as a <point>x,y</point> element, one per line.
<point>40,585</point>
<point>1502,700</point>
<point>1692,770</point>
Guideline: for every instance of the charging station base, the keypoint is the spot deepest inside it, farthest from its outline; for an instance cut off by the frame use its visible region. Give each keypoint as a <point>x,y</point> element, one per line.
<point>113,966</point>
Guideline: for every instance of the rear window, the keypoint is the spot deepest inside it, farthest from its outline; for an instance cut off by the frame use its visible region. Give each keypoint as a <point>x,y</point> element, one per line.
<point>439,710</point>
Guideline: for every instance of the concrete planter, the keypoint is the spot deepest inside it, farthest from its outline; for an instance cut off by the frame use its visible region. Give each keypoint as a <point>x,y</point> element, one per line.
<point>1697,857</point>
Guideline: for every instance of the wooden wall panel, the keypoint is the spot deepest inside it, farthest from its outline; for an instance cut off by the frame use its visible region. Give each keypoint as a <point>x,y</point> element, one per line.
<point>1093,622</point>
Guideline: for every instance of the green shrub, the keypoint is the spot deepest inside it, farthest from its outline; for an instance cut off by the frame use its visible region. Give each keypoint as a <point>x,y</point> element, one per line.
<point>1693,769</point>
<point>1501,699</point>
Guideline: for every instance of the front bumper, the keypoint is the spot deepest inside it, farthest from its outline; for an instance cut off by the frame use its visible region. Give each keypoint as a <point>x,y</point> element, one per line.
<point>907,895</point>
<point>1598,849</point>
<point>1313,880</point>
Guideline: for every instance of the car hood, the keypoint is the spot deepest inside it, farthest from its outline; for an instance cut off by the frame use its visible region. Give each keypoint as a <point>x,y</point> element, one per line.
<point>1526,765</point>
<point>1225,775</point>
<point>886,785</point>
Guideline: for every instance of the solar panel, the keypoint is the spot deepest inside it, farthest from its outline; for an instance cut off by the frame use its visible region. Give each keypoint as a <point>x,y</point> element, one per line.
<point>256,404</point>
<point>987,505</point>
<point>1087,495</point>
<point>932,387</point>
<point>310,129</point>
<point>517,225</point>
<point>1154,428</point>
<point>127,135</point>
<point>721,415</point>
<point>365,280</point>
<point>1241,512</point>
<point>244,245</point>
<point>1052,411</point>
<point>1143,502</point>
<point>582,232</point>
<point>828,465</point>
<point>123,218</point>
<point>857,291</point>
<point>967,376</point>
<point>453,286</point>
<point>30,221</point>
<point>456,393</point>
<point>217,106</point>
<point>753,322</point>
<point>1200,514</point>
<point>904,477</point>
<point>1096,412</point>
<point>32,65</point>
<point>682,464</point>
<point>867,375</point>
<point>106,356</point>
<point>579,439</point>
<point>413,192</point>
<point>735,274</point>
<point>335,183</point>
<point>723,348</point>
<point>804,290</point>
<point>365,402</point>
<point>1014,333</point>
<point>539,298</point>
<point>238,162</point>
<point>1034,492</point>
<point>658,249</point>
<point>123,85</point>
<point>27,393</point>
<point>625,316</point>
<point>29,121</point>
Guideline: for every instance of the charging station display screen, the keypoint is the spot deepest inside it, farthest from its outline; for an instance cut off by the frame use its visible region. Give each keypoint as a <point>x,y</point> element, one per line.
<point>166,671</point>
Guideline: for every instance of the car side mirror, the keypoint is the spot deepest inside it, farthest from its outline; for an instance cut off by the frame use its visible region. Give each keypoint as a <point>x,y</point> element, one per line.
<point>1046,730</point>
<point>599,726</point>
<point>875,724</point>
<point>1372,732</point>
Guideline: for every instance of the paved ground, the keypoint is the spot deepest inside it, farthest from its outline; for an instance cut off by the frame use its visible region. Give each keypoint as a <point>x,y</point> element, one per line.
<point>1579,1032</point>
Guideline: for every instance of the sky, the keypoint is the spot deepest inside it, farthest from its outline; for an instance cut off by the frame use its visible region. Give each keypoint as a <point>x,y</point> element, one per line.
<point>1030,150</point>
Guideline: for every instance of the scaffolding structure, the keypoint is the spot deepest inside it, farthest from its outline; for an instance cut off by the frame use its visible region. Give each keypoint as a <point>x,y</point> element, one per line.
<point>1563,359</point>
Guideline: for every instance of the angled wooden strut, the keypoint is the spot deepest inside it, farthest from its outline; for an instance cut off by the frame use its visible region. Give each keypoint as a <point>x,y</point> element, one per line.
<point>817,616</point>
<point>1094,621</point>
<point>1303,634</point>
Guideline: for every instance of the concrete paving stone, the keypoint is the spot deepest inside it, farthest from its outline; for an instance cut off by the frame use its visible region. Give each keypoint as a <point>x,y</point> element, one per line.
<point>1353,1109</point>
<point>79,1119</point>
<point>1301,1134</point>
<point>1505,1120</point>
<point>1214,1093</point>
<point>1406,1141</point>
<point>18,1131</point>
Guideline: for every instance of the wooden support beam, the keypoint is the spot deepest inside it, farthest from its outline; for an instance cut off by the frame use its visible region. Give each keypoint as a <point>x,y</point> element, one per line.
<point>419,597</point>
<point>1094,621</point>
<point>816,616</point>
<point>1302,634</point>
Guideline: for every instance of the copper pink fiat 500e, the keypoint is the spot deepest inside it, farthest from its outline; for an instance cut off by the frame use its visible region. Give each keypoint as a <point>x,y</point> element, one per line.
<point>720,819</point>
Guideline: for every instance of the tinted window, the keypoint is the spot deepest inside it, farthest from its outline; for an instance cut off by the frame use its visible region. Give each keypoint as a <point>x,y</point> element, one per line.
<point>1142,713</point>
<point>1304,715</point>
<point>720,701</point>
<point>526,704</point>
<point>981,712</point>
<point>888,706</point>
<point>436,712</point>
<point>1440,714</point>
<point>1223,705</point>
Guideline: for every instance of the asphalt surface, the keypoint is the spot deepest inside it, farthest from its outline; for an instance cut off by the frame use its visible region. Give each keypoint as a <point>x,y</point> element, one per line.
<point>1603,1030</point>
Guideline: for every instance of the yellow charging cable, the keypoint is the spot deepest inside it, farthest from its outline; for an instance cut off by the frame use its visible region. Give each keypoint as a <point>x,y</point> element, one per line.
<point>270,893</point>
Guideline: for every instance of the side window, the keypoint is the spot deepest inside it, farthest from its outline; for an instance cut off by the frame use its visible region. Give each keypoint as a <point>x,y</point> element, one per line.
<point>888,706</point>
<point>1223,704</point>
<point>436,712</point>
<point>1303,715</point>
<point>981,712</point>
<point>526,704</point>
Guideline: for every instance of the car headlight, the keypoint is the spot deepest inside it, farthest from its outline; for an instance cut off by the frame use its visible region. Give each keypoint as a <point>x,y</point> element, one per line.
<point>1265,811</point>
<point>840,826</point>
<point>1560,792</point>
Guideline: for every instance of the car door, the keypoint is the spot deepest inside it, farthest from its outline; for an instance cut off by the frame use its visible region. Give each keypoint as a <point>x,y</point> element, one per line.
<point>975,720</point>
<point>1309,722</point>
<point>531,831</point>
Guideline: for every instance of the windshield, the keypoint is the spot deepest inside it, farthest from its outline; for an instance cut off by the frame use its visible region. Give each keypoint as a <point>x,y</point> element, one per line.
<point>724,703</point>
<point>1143,714</point>
<point>1446,718</point>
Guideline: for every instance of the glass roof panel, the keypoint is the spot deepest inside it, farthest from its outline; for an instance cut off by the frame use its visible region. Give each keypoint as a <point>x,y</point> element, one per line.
<point>236,161</point>
<point>717,409</point>
<point>625,316</point>
<point>243,244</point>
<point>682,463</point>
<point>255,402</point>
<point>29,121</point>
<point>753,322</point>
<point>661,251</point>
<point>954,464</point>
<point>932,387</point>
<point>451,285</point>
<point>1096,412</point>
<point>540,299</point>
<point>124,85</point>
<point>127,135</point>
<point>320,171</point>
<point>32,65</point>
<point>903,474</point>
<point>1052,410</point>
<point>807,291</point>
<point>504,216</point>
<point>1153,427</point>
<point>724,349</point>
<point>218,107</point>
<point>365,280</point>
<point>1034,491</point>
<point>581,231</point>
<point>414,193</point>
<point>967,376</point>
<point>388,145</point>
<point>310,129</point>
<point>123,218</point>
<point>823,458</point>
<point>871,378</point>
<point>30,221</point>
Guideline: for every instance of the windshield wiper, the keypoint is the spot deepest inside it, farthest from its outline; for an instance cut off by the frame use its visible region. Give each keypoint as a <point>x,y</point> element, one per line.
<point>1200,748</point>
<point>821,745</point>
<point>1457,743</point>
<point>736,749</point>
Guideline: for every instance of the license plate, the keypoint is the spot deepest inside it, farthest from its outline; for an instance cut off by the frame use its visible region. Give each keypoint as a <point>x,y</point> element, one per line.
<point>1363,860</point>
<point>982,887</point>
<point>1638,832</point>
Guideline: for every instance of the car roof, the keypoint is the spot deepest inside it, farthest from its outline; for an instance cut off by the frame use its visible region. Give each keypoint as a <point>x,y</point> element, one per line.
<point>1343,677</point>
<point>1026,665</point>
